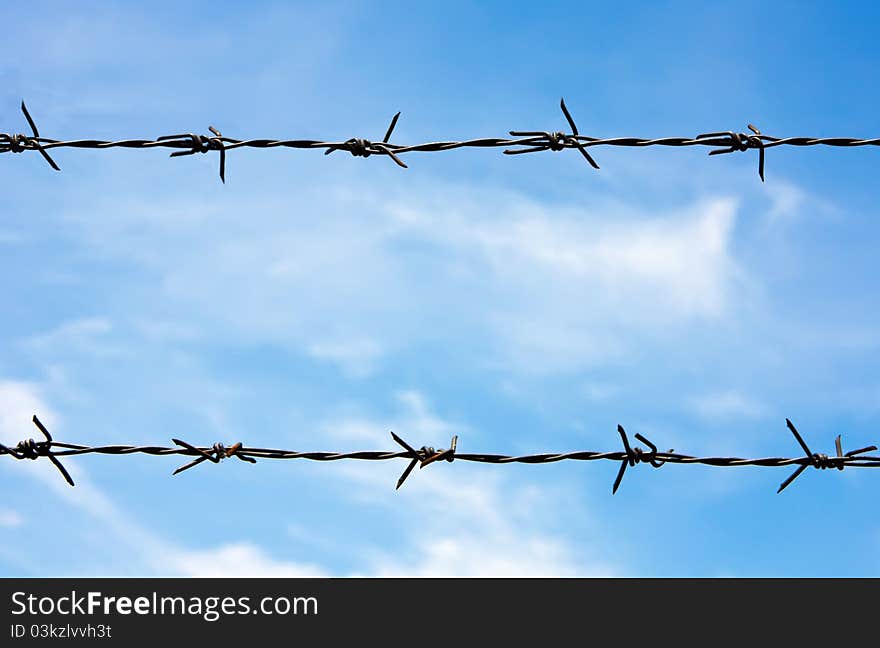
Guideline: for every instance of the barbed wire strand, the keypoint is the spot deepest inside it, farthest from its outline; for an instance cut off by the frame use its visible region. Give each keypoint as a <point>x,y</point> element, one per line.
<point>629,456</point>
<point>524,142</point>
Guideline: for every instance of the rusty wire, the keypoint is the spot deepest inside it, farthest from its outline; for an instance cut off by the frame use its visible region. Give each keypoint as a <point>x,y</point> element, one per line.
<point>534,141</point>
<point>629,456</point>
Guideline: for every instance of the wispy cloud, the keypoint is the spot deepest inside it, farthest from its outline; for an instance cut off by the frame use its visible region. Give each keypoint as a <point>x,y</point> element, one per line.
<point>19,401</point>
<point>789,202</point>
<point>357,357</point>
<point>725,405</point>
<point>537,287</point>
<point>10,518</point>
<point>86,335</point>
<point>682,257</point>
<point>237,560</point>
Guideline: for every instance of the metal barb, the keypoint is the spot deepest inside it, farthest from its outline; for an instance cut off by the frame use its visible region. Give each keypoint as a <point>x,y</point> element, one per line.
<point>553,141</point>
<point>46,449</point>
<point>413,454</point>
<point>36,139</point>
<point>448,455</point>
<point>759,144</point>
<point>575,133</point>
<point>199,144</point>
<point>818,460</point>
<point>219,451</point>
<point>31,449</point>
<point>634,456</point>
<point>424,456</point>
<point>739,142</point>
<point>218,143</point>
<point>360,147</point>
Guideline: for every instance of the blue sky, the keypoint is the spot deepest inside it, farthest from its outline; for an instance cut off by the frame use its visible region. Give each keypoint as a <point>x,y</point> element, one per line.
<point>525,304</point>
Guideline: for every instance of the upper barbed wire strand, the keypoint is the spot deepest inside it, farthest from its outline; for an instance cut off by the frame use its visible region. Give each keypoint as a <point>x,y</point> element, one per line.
<point>520,142</point>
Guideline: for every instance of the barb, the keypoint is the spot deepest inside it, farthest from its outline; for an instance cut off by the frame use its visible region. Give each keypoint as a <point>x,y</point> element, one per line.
<point>16,143</point>
<point>820,461</point>
<point>220,452</point>
<point>634,456</point>
<point>202,144</point>
<point>741,142</point>
<point>553,141</point>
<point>628,457</point>
<point>424,456</point>
<point>721,142</point>
<point>365,148</point>
<point>31,449</point>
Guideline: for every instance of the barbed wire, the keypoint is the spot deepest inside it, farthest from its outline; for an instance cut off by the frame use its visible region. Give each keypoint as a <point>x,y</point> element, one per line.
<point>524,142</point>
<point>630,456</point>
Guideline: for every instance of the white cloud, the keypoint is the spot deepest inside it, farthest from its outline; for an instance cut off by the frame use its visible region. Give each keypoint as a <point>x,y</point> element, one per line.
<point>165,331</point>
<point>87,335</point>
<point>786,200</point>
<point>560,288</point>
<point>357,357</point>
<point>726,404</point>
<point>238,560</point>
<point>414,423</point>
<point>594,391</point>
<point>683,259</point>
<point>10,519</point>
<point>19,401</point>
<point>503,554</point>
<point>534,287</point>
<point>789,202</point>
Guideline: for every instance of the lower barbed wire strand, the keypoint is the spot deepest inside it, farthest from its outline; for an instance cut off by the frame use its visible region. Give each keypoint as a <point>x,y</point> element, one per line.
<point>630,456</point>
<point>70,449</point>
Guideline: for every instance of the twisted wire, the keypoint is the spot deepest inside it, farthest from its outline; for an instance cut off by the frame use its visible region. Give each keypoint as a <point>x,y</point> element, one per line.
<point>519,142</point>
<point>629,456</point>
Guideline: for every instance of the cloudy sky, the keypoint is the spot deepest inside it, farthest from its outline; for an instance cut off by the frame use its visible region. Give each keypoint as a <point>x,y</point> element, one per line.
<point>523,303</point>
